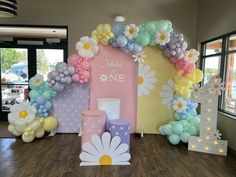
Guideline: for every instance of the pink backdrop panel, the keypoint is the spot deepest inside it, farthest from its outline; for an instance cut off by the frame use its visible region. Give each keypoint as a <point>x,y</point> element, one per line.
<point>114,75</point>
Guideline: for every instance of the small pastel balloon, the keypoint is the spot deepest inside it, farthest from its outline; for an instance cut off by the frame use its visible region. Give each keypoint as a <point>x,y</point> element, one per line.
<point>33,94</point>
<point>58,87</point>
<point>167,129</point>
<point>193,131</point>
<point>143,38</point>
<point>75,78</point>
<point>177,129</point>
<point>73,59</point>
<point>48,105</point>
<point>137,48</point>
<point>71,70</point>
<point>46,95</point>
<point>118,28</point>
<point>68,80</point>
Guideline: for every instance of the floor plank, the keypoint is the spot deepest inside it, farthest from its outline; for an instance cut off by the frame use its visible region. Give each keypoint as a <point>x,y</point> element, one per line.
<point>152,156</point>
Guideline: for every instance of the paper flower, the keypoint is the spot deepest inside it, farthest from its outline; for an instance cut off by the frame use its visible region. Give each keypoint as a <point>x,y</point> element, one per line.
<point>191,55</point>
<point>22,114</point>
<point>87,47</point>
<point>215,86</point>
<point>179,105</point>
<point>36,81</point>
<point>162,37</point>
<point>139,57</point>
<point>167,93</point>
<point>146,80</point>
<point>195,89</point>
<point>105,151</point>
<point>215,135</point>
<point>103,34</point>
<point>131,31</point>
<point>103,78</point>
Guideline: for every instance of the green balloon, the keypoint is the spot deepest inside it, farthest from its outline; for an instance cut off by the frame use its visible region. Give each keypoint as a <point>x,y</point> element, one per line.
<point>193,131</point>
<point>143,38</point>
<point>167,129</point>
<point>177,129</point>
<point>33,94</point>
<point>47,95</point>
<point>174,139</point>
<point>184,137</point>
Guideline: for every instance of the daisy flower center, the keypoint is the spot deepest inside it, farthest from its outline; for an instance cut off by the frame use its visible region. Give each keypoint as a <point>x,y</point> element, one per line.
<point>105,160</point>
<point>190,55</point>
<point>180,105</point>
<point>162,36</point>
<point>216,86</point>
<point>140,80</point>
<point>86,46</point>
<point>131,30</point>
<point>23,114</point>
<point>37,81</point>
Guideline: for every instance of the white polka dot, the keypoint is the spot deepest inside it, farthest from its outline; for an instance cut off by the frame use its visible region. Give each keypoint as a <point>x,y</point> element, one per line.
<point>121,128</point>
<point>117,133</point>
<point>113,126</point>
<point>126,133</point>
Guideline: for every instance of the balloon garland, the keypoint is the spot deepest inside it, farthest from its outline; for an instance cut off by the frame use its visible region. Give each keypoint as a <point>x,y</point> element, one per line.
<point>32,119</point>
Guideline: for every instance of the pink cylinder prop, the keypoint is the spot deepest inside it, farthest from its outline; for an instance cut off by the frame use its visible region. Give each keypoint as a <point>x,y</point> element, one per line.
<point>121,128</point>
<point>93,123</point>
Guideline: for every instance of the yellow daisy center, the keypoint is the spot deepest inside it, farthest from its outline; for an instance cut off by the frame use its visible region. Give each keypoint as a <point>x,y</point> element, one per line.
<point>190,55</point>
<point>162,36</point>
<point>180,105</point>
<point>105,160</point>
<point>23,114</point>
<point>131,30</point>
<point>140,80</point>
<point>37,81</point>
<point>86,46</point>
<point>216,86</point>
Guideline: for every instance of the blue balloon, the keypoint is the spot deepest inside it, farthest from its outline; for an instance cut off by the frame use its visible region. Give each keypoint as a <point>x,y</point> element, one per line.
<point>118,28</point>
<point>48,105</point>
<point>121,41</point>
<point>137,48</point>
<point>40,100</point>
<point>174,139</point>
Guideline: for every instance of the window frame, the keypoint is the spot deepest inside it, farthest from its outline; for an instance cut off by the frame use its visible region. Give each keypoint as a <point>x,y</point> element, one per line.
<point>223,64</point>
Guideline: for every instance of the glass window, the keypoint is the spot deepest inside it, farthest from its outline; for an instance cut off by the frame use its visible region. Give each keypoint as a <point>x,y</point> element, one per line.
<point>14,65</point>
<point>13,94</point>
<point>214,47</point>
<point>229,101</point>
<point>232,43</point>
<point>211,67</point>
<point>47,60</point>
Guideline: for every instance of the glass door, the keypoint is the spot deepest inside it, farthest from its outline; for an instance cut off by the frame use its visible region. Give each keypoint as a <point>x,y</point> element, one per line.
<point>14,76</point>
<point>47,60</point>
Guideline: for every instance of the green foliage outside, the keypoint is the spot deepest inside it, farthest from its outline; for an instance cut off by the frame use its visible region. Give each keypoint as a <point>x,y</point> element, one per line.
<point>10,56</point>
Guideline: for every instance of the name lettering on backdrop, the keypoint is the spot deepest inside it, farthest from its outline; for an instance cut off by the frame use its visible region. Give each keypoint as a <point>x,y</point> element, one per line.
<point>110,73</point>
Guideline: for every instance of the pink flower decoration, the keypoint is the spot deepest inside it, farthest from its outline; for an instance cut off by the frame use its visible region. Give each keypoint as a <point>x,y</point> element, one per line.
<point>183,65</point>
<point>81,68</point>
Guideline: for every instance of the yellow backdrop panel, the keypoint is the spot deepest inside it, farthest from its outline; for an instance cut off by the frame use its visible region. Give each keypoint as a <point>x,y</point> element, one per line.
<point>152,113</point>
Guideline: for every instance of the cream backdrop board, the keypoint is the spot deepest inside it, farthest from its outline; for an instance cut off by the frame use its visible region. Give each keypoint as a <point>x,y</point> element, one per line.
<point>151,112</point>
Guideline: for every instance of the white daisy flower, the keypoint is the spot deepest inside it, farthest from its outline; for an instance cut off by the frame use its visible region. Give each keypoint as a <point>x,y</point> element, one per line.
<point>179,105</point>
<point>167,93</point>
<point>37,80</point>
<point>139,57</point>
<point>191,55</point>
<point>162,37</point>
<point>215,86</point>
<point>146,80</point>
<point>105,151</point>
<point>215,135</point>
<point>87,47</point>
<point>131,31</point>
<point>22,114</point>
<point>103,78</point>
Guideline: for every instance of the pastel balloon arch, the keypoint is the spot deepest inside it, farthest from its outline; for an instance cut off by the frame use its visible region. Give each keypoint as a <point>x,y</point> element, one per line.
<point>32,119</point>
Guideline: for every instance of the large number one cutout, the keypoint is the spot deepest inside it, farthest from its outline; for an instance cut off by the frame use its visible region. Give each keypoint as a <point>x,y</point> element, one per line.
<point>209,140</point>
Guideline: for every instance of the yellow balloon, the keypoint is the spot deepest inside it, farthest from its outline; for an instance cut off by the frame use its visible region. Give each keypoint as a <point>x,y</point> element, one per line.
<point>196,76</point>
<point>50,123</point>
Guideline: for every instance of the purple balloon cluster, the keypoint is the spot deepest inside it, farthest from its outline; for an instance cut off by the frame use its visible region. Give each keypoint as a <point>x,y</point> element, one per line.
<point>176,47</point>
<point>57,79</point>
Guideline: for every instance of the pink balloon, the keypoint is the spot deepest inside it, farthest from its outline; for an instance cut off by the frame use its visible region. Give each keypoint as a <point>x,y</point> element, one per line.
<point>75,78</point>
<point>73,59</point>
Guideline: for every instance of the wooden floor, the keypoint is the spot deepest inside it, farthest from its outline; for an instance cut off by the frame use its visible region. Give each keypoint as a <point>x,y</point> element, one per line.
<point>152,156</point>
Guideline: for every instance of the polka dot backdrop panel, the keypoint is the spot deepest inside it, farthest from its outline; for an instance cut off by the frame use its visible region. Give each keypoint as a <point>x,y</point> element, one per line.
<point>68,107</point>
